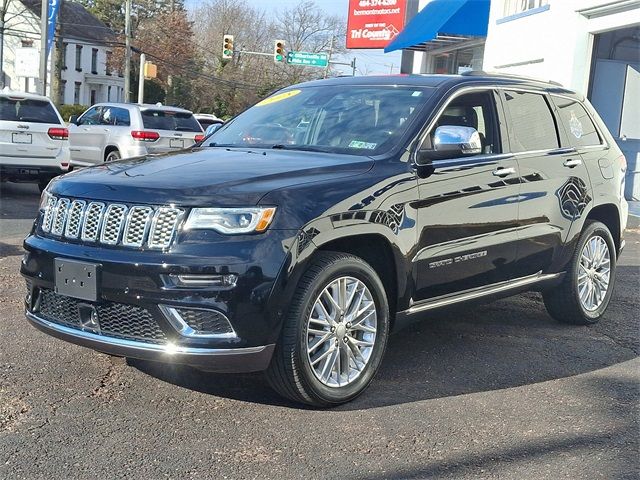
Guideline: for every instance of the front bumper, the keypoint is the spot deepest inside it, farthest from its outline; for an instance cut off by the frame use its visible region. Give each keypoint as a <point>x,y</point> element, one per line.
<point>133,287</point>
<point>248,359</point>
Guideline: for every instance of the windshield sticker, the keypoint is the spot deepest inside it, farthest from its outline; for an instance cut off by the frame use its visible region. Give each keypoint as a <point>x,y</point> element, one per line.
<point>358,144</point>
<point>278,98</point>
<point>575,125</point>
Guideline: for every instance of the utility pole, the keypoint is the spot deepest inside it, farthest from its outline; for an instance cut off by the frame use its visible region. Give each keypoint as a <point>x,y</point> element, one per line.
<point>127,52</point>
<point>57,95</point>
<point>143,59</point>
<point>353,67</point>
<point>44,17</point>
<point>326,70</point>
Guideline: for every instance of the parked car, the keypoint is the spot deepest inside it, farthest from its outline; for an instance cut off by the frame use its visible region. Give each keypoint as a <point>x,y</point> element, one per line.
<point>110,131</point>
<point>34,144</point>
<point>206,120</point>
<point>314,223</point>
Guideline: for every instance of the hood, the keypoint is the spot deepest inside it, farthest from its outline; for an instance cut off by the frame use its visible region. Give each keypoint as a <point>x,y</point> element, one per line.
<point>207,176</point>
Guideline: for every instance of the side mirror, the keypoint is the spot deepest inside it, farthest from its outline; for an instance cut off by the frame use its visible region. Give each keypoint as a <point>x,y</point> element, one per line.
<point>73,119</point>
<point>450,141</point>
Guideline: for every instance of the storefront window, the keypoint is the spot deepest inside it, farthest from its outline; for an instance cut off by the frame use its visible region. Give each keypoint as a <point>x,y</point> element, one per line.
<point>511,7</point>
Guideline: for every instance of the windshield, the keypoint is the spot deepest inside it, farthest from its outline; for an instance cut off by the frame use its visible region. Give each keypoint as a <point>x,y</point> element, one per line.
<point>169,120</point>
<point>354,120</point>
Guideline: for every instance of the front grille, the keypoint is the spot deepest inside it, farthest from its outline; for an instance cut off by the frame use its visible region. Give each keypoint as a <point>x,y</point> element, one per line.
<point>111,223</point>
<point>205,321</point>
<point>115,319</point>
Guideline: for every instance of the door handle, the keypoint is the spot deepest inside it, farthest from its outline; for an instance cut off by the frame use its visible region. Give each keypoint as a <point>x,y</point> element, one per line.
<point>572,162</point>
<point>503,172</point>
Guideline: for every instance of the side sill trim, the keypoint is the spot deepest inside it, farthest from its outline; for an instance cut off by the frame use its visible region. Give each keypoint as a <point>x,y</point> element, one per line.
<point>168,349</point>
<point>480,292</point>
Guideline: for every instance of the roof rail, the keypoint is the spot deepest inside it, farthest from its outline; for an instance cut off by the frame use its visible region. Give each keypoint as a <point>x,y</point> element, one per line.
<point>481,73</point>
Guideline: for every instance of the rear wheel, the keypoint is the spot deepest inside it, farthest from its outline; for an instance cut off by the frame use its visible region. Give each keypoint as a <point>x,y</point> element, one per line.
<point>586,290</point>
<point>112,156</point>
<point>335,334</point>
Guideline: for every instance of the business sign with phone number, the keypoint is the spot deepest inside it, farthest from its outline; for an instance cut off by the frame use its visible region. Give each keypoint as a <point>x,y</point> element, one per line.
<point>374,23</point>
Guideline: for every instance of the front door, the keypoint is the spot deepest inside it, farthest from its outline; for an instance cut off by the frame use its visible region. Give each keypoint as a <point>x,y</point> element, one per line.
<point>468,208</point>
<point>555,184</point>
<point>87,138</point>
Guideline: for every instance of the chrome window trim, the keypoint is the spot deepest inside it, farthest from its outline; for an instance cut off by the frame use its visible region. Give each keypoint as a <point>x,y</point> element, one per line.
<point>105,219</point>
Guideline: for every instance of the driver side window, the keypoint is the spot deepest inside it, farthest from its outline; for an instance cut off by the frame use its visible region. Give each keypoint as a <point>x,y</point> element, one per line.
<point>476,110</point>
<point>91,117</point>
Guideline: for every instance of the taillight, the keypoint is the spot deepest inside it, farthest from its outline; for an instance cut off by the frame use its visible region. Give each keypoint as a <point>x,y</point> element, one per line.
<point>199,138</point>
<point>145,135</point>
<point>58,133</point>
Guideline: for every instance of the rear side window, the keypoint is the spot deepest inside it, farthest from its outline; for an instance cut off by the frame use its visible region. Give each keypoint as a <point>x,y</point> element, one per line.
<point>577,122</point>
<point>27,110</point>
<point>532,126</point>
<point>167,120</point>
<point>115,116</point>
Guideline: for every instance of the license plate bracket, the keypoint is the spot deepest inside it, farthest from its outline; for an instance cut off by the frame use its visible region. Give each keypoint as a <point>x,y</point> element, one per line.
<point>176,143</point>
<point>76,279</point>
<point>23,138</point>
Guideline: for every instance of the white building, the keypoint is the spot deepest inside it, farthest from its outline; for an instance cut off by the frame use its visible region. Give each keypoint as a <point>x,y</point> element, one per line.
<point>87,41</point>
<point>592,46</point>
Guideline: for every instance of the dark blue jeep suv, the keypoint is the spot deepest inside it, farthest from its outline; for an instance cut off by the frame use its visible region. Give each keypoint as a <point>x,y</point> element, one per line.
<point>297,236</point>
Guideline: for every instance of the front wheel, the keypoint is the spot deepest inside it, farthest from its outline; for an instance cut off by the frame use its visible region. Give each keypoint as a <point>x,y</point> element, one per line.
<point>335,333</point>
<point>586,289</point>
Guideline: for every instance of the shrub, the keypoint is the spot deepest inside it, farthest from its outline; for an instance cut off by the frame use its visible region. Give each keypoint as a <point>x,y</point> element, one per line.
<point>67,111</point>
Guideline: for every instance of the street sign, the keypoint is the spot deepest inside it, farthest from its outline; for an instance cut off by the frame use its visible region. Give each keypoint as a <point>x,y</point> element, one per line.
<point>27,62</point>
<point>308,59</point>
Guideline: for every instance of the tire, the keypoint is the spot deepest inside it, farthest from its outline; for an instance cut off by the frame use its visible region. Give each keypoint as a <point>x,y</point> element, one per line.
<point>112,156</point>
<point>292,373</point>
<point>564,302</point>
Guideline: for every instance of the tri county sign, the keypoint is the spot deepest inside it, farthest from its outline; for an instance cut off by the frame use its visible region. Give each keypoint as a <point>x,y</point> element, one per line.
<point>374,23</point>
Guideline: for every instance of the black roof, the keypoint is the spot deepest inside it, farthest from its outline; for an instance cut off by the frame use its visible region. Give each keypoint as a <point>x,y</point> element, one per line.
<point>445,81</point>
<point>76,22</point>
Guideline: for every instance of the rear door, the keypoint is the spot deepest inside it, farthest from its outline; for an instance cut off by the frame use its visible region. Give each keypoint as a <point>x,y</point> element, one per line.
<point>24,130</point>
<point>555,183</point>
<point>87,139</point>
<point>468,208</point>
<point>177,130</point>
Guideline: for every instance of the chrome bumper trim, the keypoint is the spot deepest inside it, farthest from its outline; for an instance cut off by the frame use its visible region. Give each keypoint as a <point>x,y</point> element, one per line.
<point>247,359</point>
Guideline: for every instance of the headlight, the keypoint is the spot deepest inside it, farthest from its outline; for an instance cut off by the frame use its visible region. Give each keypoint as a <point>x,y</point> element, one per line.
<point>231,220</point>
<point>44,198</point>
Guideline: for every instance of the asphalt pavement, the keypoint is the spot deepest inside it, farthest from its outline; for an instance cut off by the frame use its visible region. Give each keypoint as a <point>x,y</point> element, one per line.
<point>485,391</point>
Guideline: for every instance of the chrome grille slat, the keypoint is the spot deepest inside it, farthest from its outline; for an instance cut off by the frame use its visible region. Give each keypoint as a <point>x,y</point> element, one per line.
<point>60,216</point>
<point>113,221</point>
<point>74,219</point>
<point>163,227</point>
<point>92,221</point>
<point>136,226</point>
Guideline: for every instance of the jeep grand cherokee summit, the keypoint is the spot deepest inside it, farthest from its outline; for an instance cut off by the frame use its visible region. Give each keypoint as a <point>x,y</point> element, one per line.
<point>312,224</point>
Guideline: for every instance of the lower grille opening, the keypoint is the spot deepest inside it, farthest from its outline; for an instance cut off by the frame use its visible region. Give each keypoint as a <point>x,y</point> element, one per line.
<point>109,319</point>
<point>196,322</point>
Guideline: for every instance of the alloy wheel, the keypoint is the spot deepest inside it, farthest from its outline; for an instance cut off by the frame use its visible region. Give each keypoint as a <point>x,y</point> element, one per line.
<point>341,331</point>
<point>594,273</point>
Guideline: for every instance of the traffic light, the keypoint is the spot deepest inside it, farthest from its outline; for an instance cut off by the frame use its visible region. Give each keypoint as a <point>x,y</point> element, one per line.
<point>227,47</point>
<point>278,51</point>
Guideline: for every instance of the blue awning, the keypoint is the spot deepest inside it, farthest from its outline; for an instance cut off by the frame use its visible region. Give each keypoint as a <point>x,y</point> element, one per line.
<point>444,17</point>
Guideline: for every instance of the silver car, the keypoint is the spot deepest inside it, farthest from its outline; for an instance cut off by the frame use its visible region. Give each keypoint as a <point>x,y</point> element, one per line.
<point>110,131</point>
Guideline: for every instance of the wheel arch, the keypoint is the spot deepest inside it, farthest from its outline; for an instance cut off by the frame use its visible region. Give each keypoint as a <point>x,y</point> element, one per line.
<point>609,214</point>
<point>108,149</point>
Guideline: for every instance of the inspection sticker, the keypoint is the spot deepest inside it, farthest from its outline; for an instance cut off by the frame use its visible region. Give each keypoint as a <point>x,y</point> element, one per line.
<point>358,144</point>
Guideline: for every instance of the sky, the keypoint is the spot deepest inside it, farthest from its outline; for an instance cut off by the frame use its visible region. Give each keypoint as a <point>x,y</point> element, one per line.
<point>367,61</point>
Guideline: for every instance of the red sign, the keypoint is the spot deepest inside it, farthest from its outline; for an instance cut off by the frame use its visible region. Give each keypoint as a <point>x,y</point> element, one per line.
<point>374,23</point>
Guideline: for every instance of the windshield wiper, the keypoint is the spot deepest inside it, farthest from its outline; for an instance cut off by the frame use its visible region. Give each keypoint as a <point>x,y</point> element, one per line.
<point>306,148</point>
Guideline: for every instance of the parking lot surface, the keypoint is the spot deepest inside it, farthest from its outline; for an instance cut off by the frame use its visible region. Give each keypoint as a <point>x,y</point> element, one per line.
<point>486,391</point>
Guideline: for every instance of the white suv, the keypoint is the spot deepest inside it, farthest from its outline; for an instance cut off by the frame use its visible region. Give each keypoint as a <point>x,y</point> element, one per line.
<point>110,131</point>
<point>34,144</point>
